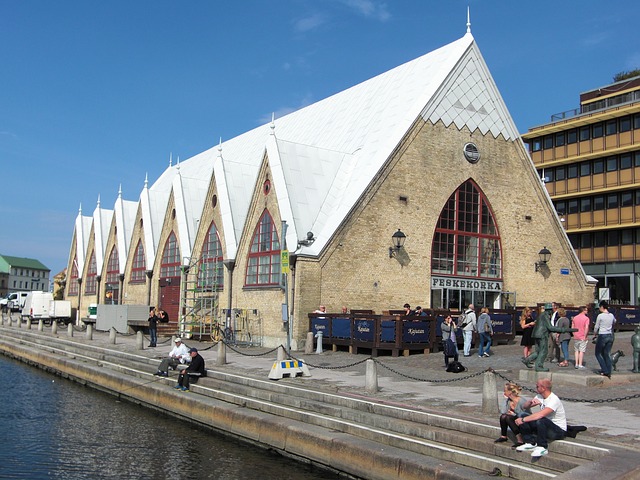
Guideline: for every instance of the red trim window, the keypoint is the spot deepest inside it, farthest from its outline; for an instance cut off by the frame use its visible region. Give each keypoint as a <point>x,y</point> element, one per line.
<point>466,241</point>
<point>113,266</point>
<point>73,278</point>
<point>139,265</point>
<point>170,266</point>
<point>211,274</point>
<point>92,272</point>
<point>263,267</point>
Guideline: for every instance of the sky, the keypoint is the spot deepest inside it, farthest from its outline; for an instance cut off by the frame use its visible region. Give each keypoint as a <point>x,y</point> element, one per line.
<point>95,96</point>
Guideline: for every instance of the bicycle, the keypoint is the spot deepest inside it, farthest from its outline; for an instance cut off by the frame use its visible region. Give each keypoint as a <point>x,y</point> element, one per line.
<point>219,333</point>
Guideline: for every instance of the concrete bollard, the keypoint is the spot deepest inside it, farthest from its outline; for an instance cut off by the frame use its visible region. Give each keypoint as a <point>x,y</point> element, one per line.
<point>54,328</point>
<point>490,394</point>
<point>139,340</point>
<point>112,336</point>
<point>222,354</point>
<point>308,347</point>
<point>282,355</point>
<point>19,321</point>
<point>40,325</point>
<point>69,329</point>
<point>28,323</point>
<point>319,337</point>
<point>89,332</point>
<point>371,378</point>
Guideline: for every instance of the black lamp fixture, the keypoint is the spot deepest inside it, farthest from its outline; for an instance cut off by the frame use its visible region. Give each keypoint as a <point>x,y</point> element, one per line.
<point>398,239</point>
<point>544,256</point>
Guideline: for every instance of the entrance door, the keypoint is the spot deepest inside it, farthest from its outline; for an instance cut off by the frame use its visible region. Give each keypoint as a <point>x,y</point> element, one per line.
<point>169,298</point>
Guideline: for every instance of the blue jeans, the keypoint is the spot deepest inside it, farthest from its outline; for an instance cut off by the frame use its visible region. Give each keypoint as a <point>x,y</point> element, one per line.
<point>603,352</point>
<point>153,335</point>
<point>485,340</point>
<point>565,350</point>
<point>541,432</point>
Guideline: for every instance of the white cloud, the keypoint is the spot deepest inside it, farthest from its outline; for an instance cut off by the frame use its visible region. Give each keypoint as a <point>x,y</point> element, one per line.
<point>309,23</point>
<point>370,8</point>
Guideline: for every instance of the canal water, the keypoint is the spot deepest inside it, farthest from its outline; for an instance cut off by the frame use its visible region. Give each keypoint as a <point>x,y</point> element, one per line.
<point>54,428</point>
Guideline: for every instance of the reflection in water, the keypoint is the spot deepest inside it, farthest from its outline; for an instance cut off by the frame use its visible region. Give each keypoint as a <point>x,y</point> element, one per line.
<point>54,428</point>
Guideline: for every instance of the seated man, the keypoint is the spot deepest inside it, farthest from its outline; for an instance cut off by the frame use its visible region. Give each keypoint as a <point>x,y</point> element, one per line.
<point>550,423</point>
<point>194,371</point>
<point>179,354</point>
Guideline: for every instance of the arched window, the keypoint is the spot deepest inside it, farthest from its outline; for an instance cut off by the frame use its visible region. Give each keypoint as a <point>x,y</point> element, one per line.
<point>73,278</point>
<point>466,242</point>
<point>170,266</point>
<point>263,267</point>
<point>139,264</point>
<point>90,285</point>
<point>211,274</point>
<point>113,267</point>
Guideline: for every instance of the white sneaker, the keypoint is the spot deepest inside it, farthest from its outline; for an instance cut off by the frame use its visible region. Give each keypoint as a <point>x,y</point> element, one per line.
<point>539,452</point>
<point>525,447</point>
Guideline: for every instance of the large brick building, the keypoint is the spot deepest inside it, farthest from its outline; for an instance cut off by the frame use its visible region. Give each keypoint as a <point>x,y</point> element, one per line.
<point>427,148</point>
<point>589,160</point>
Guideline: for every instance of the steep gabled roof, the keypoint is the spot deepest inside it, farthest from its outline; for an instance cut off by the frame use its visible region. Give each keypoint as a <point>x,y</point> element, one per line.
<point>82,230</point>
<point>101,224</point>
<point>125,216</point>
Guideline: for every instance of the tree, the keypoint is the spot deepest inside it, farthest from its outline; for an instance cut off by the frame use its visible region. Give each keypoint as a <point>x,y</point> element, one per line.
<point>618,77</point>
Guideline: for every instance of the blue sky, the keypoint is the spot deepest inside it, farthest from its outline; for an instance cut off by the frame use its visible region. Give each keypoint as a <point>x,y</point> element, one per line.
<point>94,95</point>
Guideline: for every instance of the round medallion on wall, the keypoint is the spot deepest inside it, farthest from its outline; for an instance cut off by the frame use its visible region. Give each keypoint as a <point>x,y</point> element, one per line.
<point>471,152</point>
<point>266,187</point>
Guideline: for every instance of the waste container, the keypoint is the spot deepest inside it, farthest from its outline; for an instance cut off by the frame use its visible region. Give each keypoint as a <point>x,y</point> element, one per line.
<point>93,310</point>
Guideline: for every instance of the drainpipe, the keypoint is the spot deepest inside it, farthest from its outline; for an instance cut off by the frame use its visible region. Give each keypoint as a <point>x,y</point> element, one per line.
<point>121,289</point>
<point>149,276</point>
<point>79,312</point>
<point>98,280</point>
<point>230,264</point>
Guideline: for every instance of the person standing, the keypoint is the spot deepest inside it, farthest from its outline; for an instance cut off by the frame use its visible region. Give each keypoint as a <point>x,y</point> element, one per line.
<point>603,332</point>
<point>485,332</point>
<point>450,350</point>
<point>153,327</point>
<point>468,326</point>
<point>581,322</point>
<point>541,336</point>
<point>527,323</point>
<point>550,423</point>
<point>563,338</point>
<point>193,372</point>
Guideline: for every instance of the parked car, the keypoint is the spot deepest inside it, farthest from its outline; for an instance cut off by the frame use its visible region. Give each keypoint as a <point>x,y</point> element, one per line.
<point>14,301</point>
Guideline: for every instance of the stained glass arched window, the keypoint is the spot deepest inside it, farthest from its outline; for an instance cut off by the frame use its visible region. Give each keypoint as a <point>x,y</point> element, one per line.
<point>139,265</point>
<point>92,272</point>
<point>211,274</point>
<point>466,242</point>
<point>170,266</point>
<point>73,278</point>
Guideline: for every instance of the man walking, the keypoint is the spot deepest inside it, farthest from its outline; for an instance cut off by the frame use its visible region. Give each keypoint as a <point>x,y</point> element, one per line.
<point>468,326</point>
<point>550,423</point>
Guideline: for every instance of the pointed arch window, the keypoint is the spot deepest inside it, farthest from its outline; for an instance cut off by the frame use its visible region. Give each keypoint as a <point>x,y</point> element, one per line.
<point>170,266</point>
<point>139,264</point>
<point>113,266</point>
<point>92,272</point>
<point>466,241</point>
<point>73,278</point>
<point>211,274</point>
<point>263,267</point>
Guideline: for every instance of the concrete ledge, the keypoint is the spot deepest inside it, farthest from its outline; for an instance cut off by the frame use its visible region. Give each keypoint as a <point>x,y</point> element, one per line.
<point>577,378</point>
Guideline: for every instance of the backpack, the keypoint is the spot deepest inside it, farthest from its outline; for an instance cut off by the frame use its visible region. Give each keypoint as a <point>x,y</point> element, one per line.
<point>462,320</point>
<point>455,367</point>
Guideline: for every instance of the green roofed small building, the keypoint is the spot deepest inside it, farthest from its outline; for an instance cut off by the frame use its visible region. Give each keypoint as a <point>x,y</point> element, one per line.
<point>19,274</point>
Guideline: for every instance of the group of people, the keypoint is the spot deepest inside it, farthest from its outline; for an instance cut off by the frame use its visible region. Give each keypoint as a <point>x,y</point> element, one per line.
<point>551,334</point>
<point>533,431</point>
<point>180,354</point>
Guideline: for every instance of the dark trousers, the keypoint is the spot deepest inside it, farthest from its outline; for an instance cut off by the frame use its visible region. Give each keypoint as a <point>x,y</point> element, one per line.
<point>184,378</point>
<point>541,432</point>
<point>508,421</point>
<point>153,336</point>
<point>603,352</point>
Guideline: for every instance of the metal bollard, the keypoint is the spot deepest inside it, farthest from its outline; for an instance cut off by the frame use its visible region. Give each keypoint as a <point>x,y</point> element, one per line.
<point>40,325</point>
<point>281,354</point>
<point>89,332</point>
<point>69,329</point>
<point>490,394</point>
<point>54,327</point>
<point>319,337</point>
<point>222,354</point>
<point>371,378</point>
<point>112,336</point>
<point>139,340</point>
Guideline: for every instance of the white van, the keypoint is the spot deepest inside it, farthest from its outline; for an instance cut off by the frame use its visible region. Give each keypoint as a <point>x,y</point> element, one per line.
<point>60,311</point>
<point>36,306</point>
<point>14,301</point>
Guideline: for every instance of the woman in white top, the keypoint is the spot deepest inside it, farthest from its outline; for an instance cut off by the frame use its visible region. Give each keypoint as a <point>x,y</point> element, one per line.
<point>603,331</point>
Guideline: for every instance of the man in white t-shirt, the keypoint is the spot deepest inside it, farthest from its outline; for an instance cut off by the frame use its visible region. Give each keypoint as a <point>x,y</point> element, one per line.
<point>550,423</point>
<point>179,354</point>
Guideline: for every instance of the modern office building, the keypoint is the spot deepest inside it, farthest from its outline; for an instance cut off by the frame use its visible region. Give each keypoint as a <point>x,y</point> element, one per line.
<point>589,160</point>
<point>22,274</point>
